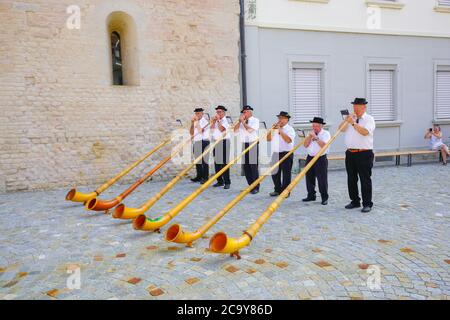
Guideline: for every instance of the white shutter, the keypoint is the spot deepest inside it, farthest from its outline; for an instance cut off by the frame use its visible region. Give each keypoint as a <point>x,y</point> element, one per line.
<point>306,94</point>
<point>444,2</point>
<point>443,95</point>
<point>381,100</point>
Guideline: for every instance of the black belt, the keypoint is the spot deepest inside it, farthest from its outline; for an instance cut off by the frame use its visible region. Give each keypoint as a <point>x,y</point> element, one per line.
<point>319,157</point>
<point>358,150</point>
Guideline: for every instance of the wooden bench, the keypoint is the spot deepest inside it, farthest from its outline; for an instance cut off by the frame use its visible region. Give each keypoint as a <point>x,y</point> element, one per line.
<point>396,154</point>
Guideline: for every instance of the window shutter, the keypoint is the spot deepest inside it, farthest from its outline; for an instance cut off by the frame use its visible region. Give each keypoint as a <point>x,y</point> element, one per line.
<point>442,95</point>
<point>382,95</point>
<point>444,2</point>
<point>306,94</point>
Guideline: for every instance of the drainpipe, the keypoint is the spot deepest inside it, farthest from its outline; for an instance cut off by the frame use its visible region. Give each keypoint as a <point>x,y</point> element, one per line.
<point>243,54</point>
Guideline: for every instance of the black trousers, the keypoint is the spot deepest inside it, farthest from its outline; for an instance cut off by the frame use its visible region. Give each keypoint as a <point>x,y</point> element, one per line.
<point>360,164</point>
<point>221,159</point>
<point>251,160</point>
<point>202,167</point>
<point>318,171</point>
<point>284,170</point>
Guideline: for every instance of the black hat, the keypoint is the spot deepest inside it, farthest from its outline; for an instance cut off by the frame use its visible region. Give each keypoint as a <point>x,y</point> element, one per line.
<point>360,101</point>
<point>199,110</point>
<point>317,120</point>
<point>284,114</point>
<point>247,108</point>
<point>221,108</point>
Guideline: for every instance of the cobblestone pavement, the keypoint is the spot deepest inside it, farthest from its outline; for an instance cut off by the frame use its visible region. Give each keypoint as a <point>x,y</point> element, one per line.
<point>305,251</point>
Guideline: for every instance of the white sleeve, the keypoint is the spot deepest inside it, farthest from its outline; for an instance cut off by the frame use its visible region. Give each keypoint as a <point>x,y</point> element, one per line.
<point>225,123</point>
<point>204,125</point>
<point>254,124</point>
<point>291,134</point>
<point>326,137</point>
<point>370,125</point>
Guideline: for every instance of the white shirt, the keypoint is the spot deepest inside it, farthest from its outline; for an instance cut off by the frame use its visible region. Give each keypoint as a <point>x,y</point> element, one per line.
<point>249,136</point>
<point>205,135</point>
<point>278,144</point>
<point>355,140</point>
<point>216,133</point>
<point>314,147</point>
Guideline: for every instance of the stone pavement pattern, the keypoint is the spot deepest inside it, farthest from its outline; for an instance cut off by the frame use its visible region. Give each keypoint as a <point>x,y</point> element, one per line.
<point>305,251</point>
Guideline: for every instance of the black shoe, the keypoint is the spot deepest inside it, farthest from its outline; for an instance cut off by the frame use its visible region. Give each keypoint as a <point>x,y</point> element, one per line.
<point>366,209</point>
<point>203,181</point>
<point>274,194</point>
<point>254,191</point>
<point>218,184</point>
<point>195,179</point>
<point>324,202</point>
<point>288,195</point>
<point>308,199</point>
<point>227,186</point>
<point>351,205</point>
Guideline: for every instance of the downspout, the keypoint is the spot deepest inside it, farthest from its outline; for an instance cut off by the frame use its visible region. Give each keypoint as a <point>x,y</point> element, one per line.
<point>243,54</point>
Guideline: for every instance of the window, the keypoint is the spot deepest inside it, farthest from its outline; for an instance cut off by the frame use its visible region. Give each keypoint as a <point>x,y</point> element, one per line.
<point>122,33</point>
<point>382,104</point>
<point>442,6</point>
<point>116,59</point>
<point>442,93</point>
<point>386,4</point>
<point>318,1</point>
<point>307,93</point>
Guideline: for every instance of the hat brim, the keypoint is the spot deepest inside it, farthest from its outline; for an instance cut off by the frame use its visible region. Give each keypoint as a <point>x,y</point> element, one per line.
<point>359,103</point>
<point>280,115</point>
<point>311,121</point>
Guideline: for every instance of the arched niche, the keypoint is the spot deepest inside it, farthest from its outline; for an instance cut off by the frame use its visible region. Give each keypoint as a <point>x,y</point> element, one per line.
<point>124,50</point>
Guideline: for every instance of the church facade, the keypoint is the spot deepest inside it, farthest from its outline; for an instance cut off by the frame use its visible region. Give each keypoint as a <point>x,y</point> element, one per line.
<point>89,86</point>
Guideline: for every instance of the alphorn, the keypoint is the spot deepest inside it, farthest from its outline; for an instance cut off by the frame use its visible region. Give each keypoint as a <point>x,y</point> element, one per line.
<point>221,243</point>
<point>123,212</point>
<point>104,205</point>
<point>176,234</point>
<point>146,224</point>
<point>76,196</point>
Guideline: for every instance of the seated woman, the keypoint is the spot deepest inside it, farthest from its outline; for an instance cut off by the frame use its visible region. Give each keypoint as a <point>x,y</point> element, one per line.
<point>435,136</point>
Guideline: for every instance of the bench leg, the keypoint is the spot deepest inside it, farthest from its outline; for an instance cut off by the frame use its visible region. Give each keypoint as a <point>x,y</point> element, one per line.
<point>397,160</point>
<point>440,157</point>
<point>409,160</point>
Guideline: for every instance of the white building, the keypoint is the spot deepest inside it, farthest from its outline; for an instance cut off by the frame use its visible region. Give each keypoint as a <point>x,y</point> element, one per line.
<point>313,57</point>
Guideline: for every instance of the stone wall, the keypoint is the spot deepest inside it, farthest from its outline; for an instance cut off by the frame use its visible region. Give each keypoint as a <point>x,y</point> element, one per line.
<point>63,123</point>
